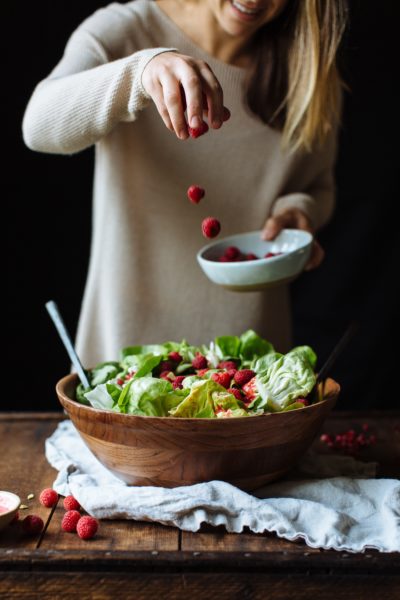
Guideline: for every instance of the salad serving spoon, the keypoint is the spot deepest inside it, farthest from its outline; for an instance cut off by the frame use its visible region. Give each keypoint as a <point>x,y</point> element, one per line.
<point>55,315</point>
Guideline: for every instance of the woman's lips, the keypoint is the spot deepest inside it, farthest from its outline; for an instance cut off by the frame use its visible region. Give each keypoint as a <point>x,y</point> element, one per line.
<point>245,12</point>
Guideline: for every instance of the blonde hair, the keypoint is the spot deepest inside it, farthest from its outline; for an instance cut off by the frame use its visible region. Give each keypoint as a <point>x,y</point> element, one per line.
<point>295,84</point>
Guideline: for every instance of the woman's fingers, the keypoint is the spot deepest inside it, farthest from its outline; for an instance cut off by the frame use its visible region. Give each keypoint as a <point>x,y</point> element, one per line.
<point>178,83</point>
<point>294,218</point>
<point>317,256</point>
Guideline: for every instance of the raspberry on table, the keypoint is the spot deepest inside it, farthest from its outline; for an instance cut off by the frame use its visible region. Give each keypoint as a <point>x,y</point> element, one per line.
<point>70,520</point>
<point>195,193</point>
<point>210,227</point>
<point>70,503</point>
<point>87,527</point>
<point>32,524</point>
<point>48,497</point>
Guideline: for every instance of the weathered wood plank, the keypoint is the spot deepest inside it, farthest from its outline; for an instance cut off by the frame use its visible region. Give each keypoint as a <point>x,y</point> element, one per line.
<point>203,586</point>
<point>112,535</point>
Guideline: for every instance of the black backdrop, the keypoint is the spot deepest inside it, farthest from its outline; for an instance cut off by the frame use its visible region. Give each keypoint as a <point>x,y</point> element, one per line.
<point>47,217</point>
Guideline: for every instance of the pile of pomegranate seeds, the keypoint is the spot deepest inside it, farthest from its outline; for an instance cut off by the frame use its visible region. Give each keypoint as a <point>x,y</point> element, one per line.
<point>349,441</point>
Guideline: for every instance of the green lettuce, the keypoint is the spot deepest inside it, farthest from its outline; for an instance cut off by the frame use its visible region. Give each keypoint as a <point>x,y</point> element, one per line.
<point>149,396</point>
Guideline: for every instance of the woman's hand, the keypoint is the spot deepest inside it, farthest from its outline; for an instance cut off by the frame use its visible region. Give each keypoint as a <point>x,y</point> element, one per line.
<point>176,83</point>
<point>294,218</point>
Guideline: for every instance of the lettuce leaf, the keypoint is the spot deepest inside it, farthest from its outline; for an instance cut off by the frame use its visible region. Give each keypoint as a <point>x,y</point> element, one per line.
<point>150,396</point>
<point>199,403</point>
<point>253,346</point>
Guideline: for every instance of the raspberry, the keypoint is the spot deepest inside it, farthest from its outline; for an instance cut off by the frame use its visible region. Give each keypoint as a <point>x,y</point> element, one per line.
<point>195,194</point>
<point>227,364</point>
<point>251,389</point>
<point>303,401</point>
<point>166,365</point>
<point>232,252</point>
<point>165,375</point>
<point>237,393</point>
<point>251,256</point>
<point>199,361</point>
<point>32,524</point>
<point>177,382</point>
<point>210,227</point>
<point>175,357</point>
<point>70,520</point>
<point>87,527</point>
<point>196,132</point>
<point>242,377</point>
<point>269,255</point>
<point>223,379</point>
<point>71,504</point>
<point>48,497</point>
<point>202,372</point>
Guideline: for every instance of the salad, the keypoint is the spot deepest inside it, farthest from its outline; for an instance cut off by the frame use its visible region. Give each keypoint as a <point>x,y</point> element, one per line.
<point>232,377</point>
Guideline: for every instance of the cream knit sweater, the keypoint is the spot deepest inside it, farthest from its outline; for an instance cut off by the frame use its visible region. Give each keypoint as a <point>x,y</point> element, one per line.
<point>144,284</point>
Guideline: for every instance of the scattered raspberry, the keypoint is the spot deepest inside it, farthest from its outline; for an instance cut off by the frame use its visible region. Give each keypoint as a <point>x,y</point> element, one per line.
<point>166,375</point>
<point>243,376</point>
<point>32,524</point>
<point>48,497</point>
<point>177,382</point>
<point>87,527</point>
<point>195,193</point>
<point>210,227</point>
<point>236,392</point>
<point>232,252</point>
<point>71,504</point>
<point>223,379</point>
<point>70,520</point>
<point>166,365</point>
<point>349,441</point>
<point>199,361</point>
<point>175,357</point>
<point>196,132</point>
<point>227,364</point>
<point>251,256</point>
<point>250,389</point>
<point>202,372</point>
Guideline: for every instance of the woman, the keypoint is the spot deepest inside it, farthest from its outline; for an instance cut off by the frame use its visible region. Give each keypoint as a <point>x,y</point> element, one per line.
<point>127,73</point>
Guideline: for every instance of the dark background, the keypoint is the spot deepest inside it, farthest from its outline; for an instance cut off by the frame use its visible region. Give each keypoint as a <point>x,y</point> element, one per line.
<point>48,210</point>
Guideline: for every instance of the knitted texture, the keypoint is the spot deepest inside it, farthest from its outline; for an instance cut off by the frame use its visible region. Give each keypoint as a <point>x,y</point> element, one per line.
<point>143,283</point>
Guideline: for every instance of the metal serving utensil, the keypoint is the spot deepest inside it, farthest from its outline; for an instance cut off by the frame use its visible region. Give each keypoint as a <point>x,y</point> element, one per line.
<point>55,315</point>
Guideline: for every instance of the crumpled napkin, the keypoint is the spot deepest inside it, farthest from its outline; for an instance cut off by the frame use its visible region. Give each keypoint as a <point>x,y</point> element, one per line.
<point>329,501</point>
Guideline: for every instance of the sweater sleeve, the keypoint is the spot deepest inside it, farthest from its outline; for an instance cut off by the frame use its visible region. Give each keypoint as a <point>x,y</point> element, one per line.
<point>85,96</point>
<point>317,199</point>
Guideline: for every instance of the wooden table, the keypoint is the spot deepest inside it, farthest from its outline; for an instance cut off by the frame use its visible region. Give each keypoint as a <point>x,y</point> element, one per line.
<point>130,559</point>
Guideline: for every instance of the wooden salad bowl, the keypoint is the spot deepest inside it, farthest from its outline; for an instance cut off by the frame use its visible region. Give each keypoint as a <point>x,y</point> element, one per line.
<point>166,451</point>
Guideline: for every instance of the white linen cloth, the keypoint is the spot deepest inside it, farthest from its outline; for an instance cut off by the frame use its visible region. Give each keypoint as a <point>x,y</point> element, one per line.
<point>330,501</point>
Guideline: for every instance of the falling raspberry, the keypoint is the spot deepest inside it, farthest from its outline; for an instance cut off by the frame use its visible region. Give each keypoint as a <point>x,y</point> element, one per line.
<point>196,132</point>
<point>195,193</point>
<point>210,227</point>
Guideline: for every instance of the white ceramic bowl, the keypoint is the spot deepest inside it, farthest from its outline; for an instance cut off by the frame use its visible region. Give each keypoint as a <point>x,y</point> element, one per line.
<point>251,275</point>
<point>11,502</point>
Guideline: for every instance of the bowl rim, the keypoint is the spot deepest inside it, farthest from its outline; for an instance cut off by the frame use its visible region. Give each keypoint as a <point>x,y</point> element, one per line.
<point>260,261</point>
<point>12,496</point>
<point>332,394</point>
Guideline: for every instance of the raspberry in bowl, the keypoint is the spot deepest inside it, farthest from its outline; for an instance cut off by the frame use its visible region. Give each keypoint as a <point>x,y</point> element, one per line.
<point>246,263</point>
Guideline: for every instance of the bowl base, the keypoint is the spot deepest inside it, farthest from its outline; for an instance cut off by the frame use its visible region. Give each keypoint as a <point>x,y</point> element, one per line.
<point>258,287</point>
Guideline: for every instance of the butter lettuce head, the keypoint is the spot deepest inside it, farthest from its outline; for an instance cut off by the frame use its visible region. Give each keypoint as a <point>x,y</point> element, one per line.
<point>286,379</point>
